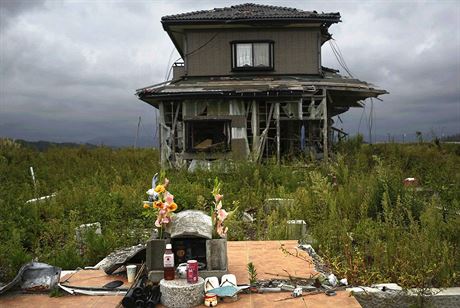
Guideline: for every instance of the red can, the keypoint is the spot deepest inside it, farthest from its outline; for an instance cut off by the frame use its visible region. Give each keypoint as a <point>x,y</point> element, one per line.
<point>192,271</point>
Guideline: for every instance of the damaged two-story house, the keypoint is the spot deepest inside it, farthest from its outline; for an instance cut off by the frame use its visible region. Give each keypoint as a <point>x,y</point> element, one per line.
<point>251,85</point>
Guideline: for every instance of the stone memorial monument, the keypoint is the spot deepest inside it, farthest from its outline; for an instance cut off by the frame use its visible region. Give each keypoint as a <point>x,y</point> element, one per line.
<point>190,233</point>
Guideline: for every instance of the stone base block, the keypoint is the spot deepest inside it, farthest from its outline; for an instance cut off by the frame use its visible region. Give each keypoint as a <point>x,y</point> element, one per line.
<point>156,276</point>
<point>180,293</point>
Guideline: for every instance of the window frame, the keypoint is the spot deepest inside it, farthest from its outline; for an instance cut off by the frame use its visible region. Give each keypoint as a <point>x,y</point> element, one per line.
<point>190,131</point>
<point>271,56</point>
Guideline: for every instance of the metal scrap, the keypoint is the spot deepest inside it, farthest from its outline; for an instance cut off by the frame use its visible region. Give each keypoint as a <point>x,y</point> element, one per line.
<point>35,277</point>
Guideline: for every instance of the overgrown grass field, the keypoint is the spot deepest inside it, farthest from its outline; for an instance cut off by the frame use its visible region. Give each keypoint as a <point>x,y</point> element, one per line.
<point>360,217</point>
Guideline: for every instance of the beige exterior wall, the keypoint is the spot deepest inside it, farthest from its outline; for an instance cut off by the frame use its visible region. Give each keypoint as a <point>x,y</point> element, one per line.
<point>296,51</point>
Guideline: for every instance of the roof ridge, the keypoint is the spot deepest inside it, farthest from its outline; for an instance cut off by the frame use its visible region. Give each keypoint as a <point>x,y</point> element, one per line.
<point>251,11</point>
<point>267,6</point>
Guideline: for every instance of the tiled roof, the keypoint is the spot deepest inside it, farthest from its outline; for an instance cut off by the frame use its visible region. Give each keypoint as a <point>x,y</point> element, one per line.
<point>251,12</point>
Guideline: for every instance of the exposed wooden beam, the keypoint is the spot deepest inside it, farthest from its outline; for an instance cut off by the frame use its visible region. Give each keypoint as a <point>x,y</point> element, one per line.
<point>278,146</point>
<point>325,125</point>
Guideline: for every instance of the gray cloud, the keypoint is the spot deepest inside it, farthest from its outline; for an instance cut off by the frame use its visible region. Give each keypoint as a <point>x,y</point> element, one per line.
<point>10,9</point>
<point>69,69</point>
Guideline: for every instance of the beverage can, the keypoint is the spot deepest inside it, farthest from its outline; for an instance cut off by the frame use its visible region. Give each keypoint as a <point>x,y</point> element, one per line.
<point>192,271</point>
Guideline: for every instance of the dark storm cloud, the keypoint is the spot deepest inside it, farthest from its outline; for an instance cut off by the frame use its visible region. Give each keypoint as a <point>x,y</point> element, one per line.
<point>10,9</point>
<point>69,69</point>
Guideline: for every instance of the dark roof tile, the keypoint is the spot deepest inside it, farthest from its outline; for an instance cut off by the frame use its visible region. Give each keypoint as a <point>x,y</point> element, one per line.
<point>251,12</point>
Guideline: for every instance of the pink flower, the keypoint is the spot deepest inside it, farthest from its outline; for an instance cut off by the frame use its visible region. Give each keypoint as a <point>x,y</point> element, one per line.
<point>165,220</point>
<point>157,223</point>
<point>222,214</point>
<point>218,197</point>
<point>221,230</point>
<point>169,198</point>
<point>162,212</point>
<point>219,206</point>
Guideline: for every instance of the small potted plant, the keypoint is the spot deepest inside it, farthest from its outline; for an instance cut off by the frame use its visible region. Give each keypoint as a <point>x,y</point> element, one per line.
<point>252,273</point>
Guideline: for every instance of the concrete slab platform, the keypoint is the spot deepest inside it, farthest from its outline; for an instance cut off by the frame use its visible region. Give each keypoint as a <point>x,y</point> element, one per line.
<point>267,257</point>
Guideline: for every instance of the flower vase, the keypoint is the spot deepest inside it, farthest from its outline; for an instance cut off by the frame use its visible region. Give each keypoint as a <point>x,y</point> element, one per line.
<point>154,254</point>
<point>216,254</point>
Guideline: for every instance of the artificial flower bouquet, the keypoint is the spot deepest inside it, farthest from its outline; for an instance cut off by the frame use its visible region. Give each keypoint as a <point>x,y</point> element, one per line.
<point>160,204</point>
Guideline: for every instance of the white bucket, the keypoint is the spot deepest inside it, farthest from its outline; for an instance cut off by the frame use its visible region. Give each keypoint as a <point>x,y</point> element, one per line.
<point>131,271</point>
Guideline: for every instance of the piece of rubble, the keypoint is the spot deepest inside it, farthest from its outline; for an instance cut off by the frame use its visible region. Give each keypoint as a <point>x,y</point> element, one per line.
<point>332,280</point>
<point>35,277</point>
<point>296,229</point>
<point>387,286</point>
<point>82,231</point>
<point>246,217</point>
<point>134,254</point>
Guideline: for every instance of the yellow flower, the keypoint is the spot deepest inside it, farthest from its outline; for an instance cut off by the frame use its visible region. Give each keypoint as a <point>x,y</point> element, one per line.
<point>172,207</point>
<point>146,205</point>
<point>158,204</point>
<point>160,189</point>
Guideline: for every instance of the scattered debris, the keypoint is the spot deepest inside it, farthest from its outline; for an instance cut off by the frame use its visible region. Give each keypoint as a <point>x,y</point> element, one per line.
<point>297,292</point>
<point>196,164</point>
<point>92,290</point>
<point>246,217</point>
<point>317,260</point>
<point>332,280</point>
<point>92,282</point>
<point>296,229</point>
<point>118,258</point>
<point>410,182</point>
<point>41,199</point>
<point>35,277</point>
<point>81,233</point>
<point>270,290</point>
<point>142,294</point>
<point>330,293</point>
<point>113,284</point>
<point>344,282</point>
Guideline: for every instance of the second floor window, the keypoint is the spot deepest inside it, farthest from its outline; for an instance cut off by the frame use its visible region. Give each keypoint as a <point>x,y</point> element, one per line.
<point>252,55</point>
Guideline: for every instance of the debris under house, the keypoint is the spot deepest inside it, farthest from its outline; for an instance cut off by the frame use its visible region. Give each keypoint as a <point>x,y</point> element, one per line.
<point>251,86</point>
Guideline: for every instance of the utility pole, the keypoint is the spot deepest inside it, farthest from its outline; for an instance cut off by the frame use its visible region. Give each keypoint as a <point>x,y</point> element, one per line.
<point>137,133</point>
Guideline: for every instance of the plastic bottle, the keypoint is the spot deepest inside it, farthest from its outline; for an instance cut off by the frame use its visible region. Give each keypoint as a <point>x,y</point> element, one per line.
<point>168,263</point>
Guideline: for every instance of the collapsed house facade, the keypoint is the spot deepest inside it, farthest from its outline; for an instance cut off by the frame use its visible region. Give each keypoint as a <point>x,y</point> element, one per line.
<point>251,85</point>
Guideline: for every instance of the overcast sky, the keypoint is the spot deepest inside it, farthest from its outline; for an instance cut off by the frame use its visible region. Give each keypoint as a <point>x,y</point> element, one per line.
<point>69,69</point>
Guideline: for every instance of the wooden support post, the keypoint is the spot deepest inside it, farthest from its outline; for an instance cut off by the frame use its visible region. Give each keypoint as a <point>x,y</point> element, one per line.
<point>278,147</point>
<point>255,126</point>
<point>173,132</point>
<point>263,138</point>
<point>325,126</point>
<point>300,111</point>
<point>163,159</point>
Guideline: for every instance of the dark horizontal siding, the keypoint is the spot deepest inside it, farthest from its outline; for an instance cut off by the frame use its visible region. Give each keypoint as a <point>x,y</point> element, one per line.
<point>295,50</point>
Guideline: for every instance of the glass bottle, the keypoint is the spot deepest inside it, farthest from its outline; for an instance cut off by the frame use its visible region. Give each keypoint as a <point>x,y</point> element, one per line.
<point>168,263</point>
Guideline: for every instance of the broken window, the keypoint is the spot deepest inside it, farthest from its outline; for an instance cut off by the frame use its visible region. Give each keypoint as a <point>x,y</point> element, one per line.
<point>208,135</point>
<point>252,55</point>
